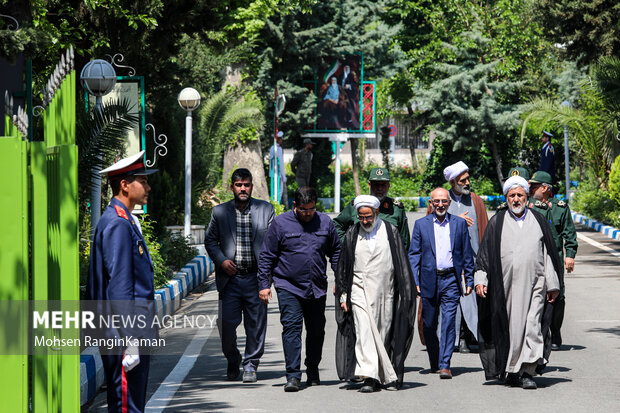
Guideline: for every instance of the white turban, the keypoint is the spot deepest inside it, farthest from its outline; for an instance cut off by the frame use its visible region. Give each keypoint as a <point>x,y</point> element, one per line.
<point>454,170</point>
<point>280,134</point>
<point>366,201</point>
<point>516,180</point>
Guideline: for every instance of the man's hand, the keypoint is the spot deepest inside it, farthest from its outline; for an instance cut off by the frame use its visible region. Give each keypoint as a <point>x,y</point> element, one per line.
<point>481,290</point>
<point>418,288</point>
<point>468,290</point>
<point>229,267</point>
<point>344,307</point>
<point>569,263</point>
<point>470,220</point>
<point>552,295</point>
<point>265,295</point>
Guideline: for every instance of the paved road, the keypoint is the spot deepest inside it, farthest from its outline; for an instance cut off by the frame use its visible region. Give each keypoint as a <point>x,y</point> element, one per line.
<point>581,377</point>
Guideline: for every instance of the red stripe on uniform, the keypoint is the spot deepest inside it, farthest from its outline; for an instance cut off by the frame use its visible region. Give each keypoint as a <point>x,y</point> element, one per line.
<point>124,390</point>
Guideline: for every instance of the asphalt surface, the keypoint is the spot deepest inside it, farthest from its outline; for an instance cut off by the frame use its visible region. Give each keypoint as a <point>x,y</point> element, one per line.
<point>582,376</point>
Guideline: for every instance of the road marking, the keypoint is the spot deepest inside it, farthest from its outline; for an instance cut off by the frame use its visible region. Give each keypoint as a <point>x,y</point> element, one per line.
<point>166,390</point>
<point>598,321</point>
<point>598,245</point>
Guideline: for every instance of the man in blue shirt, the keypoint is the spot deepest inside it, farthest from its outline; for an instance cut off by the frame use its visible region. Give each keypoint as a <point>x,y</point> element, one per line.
<point>293,255</point>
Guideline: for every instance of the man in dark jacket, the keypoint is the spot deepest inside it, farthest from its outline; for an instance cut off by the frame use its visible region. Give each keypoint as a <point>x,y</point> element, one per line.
<point>374,287</point>
<point>233,241</point>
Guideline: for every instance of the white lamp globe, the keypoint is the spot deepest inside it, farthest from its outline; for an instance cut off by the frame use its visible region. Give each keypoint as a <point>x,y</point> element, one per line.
<point>189,99</point>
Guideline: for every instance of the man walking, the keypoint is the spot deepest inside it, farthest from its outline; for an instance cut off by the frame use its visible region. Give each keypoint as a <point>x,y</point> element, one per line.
<point>564,234</point>
<point>121,269</point>
<point>293,256</point>
<point>233,241</point>
<point>374,287</point>
<point>518,270</point>
<point>440,252</point>
<point>390,209</point>
<point>301,165</point>
<point>469,206</point>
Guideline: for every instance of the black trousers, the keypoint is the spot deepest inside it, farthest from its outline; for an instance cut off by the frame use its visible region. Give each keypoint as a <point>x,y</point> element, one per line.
<point>126,390</point>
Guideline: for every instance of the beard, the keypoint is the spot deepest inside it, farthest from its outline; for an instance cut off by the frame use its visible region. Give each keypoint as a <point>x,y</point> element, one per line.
<point>463,190</point>
<point>517,209</point>
<point>440,213</point>
<point>370,227</point>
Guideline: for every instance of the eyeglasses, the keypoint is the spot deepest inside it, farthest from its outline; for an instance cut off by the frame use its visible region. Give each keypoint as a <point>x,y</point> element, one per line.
<point>306,211</point>
<point>440,201</point>
<point>365,218</point>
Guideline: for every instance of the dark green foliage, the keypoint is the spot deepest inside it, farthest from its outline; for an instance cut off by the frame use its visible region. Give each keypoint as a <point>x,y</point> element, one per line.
<point>473,117</point>
<point>175,250</point>
<point>588,29</point>
<point>162,271</point>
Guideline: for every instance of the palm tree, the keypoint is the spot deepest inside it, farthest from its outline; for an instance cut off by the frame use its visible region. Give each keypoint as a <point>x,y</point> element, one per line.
<point>594,124</point>
<point>101,136</point>
<point>227,119</point>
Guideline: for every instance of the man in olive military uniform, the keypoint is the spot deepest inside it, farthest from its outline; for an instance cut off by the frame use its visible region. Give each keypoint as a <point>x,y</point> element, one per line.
<point>301,165</point>
<point>390,209</point>
<point>564,234</point>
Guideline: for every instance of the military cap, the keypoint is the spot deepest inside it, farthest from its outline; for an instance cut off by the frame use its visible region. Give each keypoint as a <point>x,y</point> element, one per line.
<point>541,177</point>
<point>549,135</point>
<point>308,141</point>
<point>379,174</point>
<point>131,165</point>
<point>518,171</point>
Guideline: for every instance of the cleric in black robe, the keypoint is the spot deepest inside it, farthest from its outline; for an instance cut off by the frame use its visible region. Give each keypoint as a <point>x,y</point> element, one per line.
<point>398,342</point>
<point>493,323</point>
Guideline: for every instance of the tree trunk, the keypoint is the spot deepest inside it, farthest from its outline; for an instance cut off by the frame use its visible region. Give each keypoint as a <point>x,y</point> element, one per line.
<point>356,167</point>
<point>498,162</point>
<point>247,155</point>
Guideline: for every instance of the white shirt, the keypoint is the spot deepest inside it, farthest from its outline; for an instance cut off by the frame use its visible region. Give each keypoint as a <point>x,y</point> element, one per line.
<point>443,246</point>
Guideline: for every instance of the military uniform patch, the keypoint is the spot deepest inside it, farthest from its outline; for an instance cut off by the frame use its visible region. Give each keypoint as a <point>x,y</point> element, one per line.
<point>501,206</point>
<point>398,203</point>
<point>121,212</point>
<point>562,204</point>
<point>140,249</point>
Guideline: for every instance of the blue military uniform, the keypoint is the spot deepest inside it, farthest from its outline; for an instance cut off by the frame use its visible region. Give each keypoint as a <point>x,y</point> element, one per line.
<point>547,156</point>
<point>121,269</point>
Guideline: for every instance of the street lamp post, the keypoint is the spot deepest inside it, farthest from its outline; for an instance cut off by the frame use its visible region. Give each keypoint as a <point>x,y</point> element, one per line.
<point>189,99</point>
<point>566,104</point>
<point>98,77</point>
<point>280,103</point>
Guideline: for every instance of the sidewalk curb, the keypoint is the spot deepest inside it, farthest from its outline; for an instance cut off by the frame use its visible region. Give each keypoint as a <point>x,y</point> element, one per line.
<point>610,232</point>
<point>167,301</point>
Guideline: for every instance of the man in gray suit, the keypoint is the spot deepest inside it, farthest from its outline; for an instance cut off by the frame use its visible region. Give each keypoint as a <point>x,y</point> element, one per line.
<point>233,241</point>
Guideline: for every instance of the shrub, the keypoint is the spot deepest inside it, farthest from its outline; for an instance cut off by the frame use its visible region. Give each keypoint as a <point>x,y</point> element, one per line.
<point>162,272</point>
<point>176,250</point>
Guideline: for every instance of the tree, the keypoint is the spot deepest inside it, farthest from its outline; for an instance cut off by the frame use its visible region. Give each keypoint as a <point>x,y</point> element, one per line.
<point>470,113</point>
<point>293,47</point>
<point>587,29</point>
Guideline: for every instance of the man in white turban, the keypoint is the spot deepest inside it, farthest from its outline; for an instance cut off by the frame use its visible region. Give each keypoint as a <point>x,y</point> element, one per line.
<point>518,277</point>
<point>374,301</point>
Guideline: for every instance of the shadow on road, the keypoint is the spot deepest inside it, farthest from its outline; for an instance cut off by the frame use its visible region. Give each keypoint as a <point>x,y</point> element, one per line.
<point>610,330</point>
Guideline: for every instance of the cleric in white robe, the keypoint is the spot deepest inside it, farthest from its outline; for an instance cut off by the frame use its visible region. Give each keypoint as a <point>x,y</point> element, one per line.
<point>375,303</point>
<point>518,276</point>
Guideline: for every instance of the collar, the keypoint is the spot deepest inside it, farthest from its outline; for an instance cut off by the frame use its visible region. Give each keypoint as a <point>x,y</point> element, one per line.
<point>522,218</point>
<point>247,207</point>
<point>445,220</point>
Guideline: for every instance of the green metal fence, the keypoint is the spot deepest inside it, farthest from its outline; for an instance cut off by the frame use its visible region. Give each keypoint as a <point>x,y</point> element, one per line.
<point>39,244</point>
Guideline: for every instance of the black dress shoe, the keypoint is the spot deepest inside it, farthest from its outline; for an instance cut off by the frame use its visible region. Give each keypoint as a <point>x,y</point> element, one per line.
<point>233,370</point>
<point>292,385</point>
<point>555,347</point>
<point>312,378</point>
<point>370,385</point>
<point>512,380</point>
<point>527,382</point>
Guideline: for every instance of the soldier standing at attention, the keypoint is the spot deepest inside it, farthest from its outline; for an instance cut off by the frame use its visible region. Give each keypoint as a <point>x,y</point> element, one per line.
<point>558,214</point>
<point>390,210</point>
<point>121,269</point>
<point>547,154</point>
